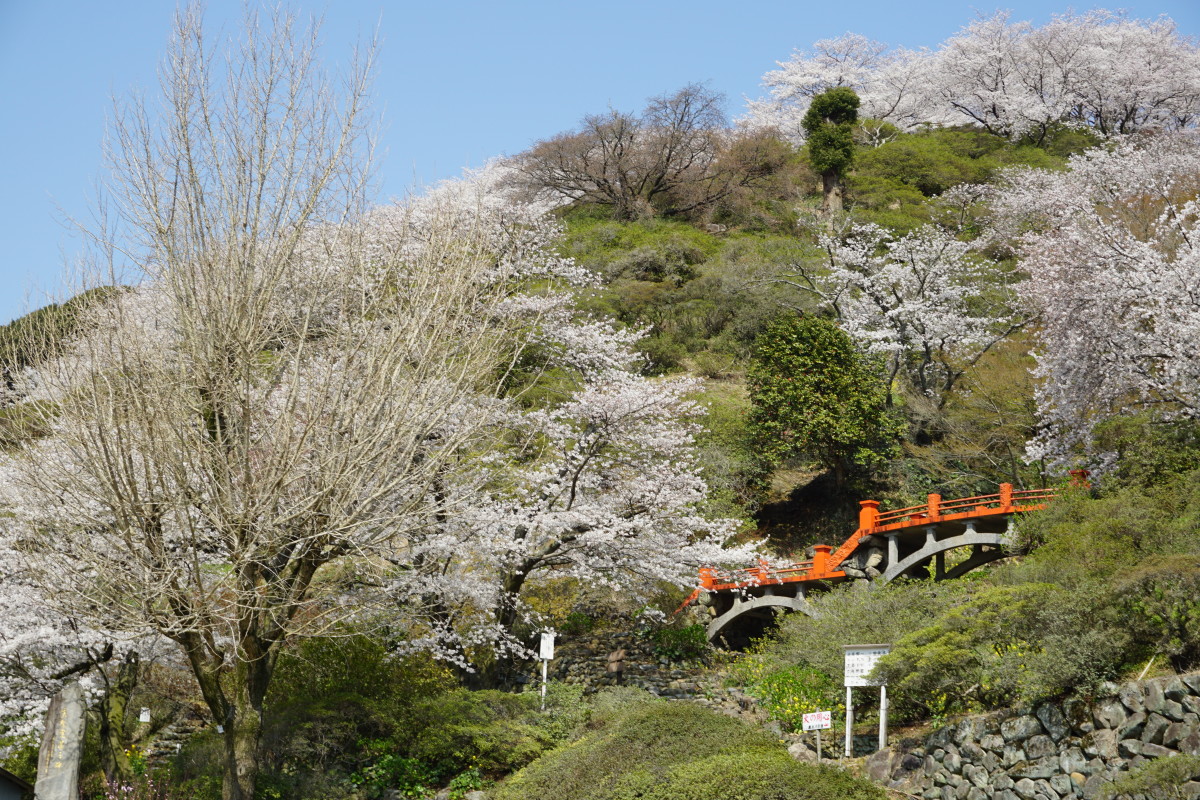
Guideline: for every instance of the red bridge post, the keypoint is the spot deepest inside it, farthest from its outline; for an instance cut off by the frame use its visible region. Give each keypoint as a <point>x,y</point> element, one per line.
<point>935,503</point>
<point>868,514</point>
<point>821,558</point>
<point>1005,495</point>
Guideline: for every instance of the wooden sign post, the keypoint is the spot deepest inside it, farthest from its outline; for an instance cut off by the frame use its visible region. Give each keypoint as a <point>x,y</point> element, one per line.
<point>817,721</point>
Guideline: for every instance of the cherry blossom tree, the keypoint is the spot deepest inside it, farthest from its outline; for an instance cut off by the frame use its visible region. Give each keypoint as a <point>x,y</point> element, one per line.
<point>924,301</point>
<point>1111,251</point>
<point>279,391</point>
<point>1100,70</point>
<point>890,84</point>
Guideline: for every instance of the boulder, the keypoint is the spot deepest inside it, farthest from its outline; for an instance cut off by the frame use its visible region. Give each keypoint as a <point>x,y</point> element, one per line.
<point>1039,746</point>
<point>1110,714</point>
<point>1012,755</point>
<point>801,752</point>
<point>1053,721</point>
<point>1025,789</point>
<point>1042,768</point>
<point>1128,748</point>
<point>1072,760</point>
<point>1157,751</point>
<point>1134,724</point>
<point>992,742</point>
<point>1132,697</point>
<point>1156,726</point>
<point>1020,728</point>
<point>1154,696</point>
<point>1101,744</point>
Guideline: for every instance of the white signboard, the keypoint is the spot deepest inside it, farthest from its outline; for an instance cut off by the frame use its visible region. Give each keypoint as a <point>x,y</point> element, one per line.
<point>144,716</point>
<point>547,651</point>
<point>818,721</point>
<point>860,660</point>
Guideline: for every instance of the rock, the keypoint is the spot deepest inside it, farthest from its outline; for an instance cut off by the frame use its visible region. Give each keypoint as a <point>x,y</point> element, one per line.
<point>1135,723</point>
<point>1094,786</point>
<point>1192,681</point>
<point>1039,746</point>
<point>801,752</point>
<point>1157,751</point>
<point>1156,726</point>
<point>1175,689</point>
<point>1006,794</point>
<point>1001,782</point>
<point>1132,697</point>
<point>1020,728</point>
<point>475,795</point>
<point>1191,704</point>
<point>1078,778</point>
<point>1100,743</point>
<point>1024,789</point>
<point>990,761</point>
<point>1110,714</point>
<point>969,730</point>
<point>1072,760</point>
<point>952,762</point>
<point>1012,755</point>
<point>1176,732</point>
<point>881,764</point>
<point>1042,768</point>
<point>1078,715</point>
<point>976,775</point>
<point>1128,748</point>
<point>976,793</point>
<point>1190,744</point>
<point>1044,789</point>
<point>1154,696</point>
<point>1173,710</point>
<point>1053,721</point>
<point>992,742</point>
<point>930,766</point>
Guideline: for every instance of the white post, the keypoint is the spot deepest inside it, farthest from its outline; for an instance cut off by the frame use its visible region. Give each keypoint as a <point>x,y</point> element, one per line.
<point>818,745</point>
<point>883,711</point>
<point>849,723</point>
<point>545,664</point>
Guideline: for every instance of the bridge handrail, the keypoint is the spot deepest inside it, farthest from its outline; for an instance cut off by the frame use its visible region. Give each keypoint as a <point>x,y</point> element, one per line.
<point>824,564</point>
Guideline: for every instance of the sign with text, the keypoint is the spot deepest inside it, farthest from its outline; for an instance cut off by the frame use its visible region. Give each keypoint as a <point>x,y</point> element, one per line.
<point>860,660</point>
<point>547,649</point>
<point>818,721</point>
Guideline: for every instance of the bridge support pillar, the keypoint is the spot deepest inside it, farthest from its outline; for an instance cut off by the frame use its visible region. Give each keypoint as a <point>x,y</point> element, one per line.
<point>893,549</point>
<point>939,566</point>
<point>930,535</point>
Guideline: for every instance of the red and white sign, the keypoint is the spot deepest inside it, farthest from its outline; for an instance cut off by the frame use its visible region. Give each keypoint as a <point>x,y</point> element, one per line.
<point>818,721</point>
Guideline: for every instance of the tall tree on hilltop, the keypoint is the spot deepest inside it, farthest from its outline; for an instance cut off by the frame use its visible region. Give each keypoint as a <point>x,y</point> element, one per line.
<point>829,124</point>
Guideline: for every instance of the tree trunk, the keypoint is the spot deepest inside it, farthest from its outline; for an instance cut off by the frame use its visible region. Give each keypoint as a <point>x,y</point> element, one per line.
<point>243,727</point>
<point>114,758</point>
<point>831,182</point>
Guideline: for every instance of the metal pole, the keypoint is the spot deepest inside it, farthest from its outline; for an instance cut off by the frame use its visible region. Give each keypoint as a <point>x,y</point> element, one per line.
<point>849,723</point>
<point>545,663</point>
<point>883,709</point>
<point>818,745</point>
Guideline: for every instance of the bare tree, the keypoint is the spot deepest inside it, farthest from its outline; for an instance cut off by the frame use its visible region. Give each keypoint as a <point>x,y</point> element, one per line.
<point>277,393</point>
<point>667,159</point>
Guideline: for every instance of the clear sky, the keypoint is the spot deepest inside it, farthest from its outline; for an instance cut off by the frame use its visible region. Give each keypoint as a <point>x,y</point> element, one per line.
<point>459,81</point>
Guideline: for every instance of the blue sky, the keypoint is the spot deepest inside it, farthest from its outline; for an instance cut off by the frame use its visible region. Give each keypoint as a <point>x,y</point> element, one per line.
<point>459,81</point>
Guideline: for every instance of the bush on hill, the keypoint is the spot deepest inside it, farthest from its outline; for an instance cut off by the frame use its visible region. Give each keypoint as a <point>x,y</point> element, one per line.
<point>677,751</point>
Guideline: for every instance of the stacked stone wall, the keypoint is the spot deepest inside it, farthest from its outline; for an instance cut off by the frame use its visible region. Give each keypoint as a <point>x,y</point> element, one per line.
<point>1051,751</point>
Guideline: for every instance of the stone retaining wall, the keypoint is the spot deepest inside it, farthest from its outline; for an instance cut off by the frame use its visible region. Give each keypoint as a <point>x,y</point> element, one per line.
<point>1051,751</point>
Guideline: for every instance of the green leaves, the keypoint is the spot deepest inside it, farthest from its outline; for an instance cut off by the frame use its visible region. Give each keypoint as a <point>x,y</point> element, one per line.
<point>829,124</point>
<point>814,394</point>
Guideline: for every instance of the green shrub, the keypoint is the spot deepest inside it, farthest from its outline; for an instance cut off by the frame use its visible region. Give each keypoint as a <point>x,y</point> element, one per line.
<point>790,692</point>
<point>681,644</point>
<point>676,750</point>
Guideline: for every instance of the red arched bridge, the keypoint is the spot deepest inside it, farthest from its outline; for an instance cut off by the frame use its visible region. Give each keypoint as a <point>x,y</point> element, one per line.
<point>905,542</point>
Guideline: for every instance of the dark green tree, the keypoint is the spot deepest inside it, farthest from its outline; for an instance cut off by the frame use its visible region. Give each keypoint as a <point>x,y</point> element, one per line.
<point>813,394</point>
<point>829,125</point>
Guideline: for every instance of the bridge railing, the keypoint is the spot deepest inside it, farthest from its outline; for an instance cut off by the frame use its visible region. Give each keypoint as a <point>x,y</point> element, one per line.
<point>1006,500</point>
<point>824,564</point>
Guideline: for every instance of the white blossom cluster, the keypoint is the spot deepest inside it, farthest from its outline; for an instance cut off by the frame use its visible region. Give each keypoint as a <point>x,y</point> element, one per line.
<point>1099,69</point>
<point>1112,248</point>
